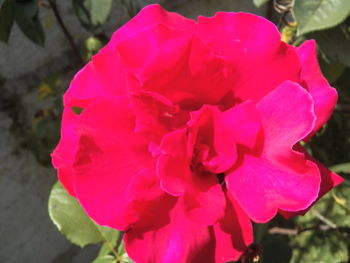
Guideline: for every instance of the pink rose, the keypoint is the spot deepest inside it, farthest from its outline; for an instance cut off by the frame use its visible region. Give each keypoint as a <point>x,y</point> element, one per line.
<point>189,129</point>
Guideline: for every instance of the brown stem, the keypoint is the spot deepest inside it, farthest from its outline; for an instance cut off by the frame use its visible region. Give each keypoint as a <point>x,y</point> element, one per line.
<point>57,14</point>
<point>294,232</point>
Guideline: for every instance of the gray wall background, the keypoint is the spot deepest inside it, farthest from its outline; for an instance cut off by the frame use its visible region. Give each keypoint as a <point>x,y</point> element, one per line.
<point>26,232</point>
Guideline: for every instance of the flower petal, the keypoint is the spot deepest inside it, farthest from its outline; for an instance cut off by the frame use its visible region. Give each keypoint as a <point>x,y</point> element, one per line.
<point>262,187</point>
<point>273,176</point>
<point>109,155</point>
<point>204,202</point>
<point>323,95</point>
<point>103,77</point>
<point>329,180</point>
<point>160,238</point>
<point>287,116</point>
<point>233,233</point>
<point>254,47</point>
<point>207,128</point>
<point>203,198</point>
<point>170,238</point>
<point>156,115</point>
<point>189,70</point>
<point>173,165</point>
<point>149,16</point>
<point>64,153</point>
<point>243,123</point>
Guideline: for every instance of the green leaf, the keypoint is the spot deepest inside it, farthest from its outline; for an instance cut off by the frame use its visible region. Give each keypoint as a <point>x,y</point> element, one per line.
<point>92,13</point>
<point>259,3</point>
<point>105,259</point>
<point>27,8</point>
<point>109,235</point>
<point>312,15</point>
<point>70,218</point>
<point>104,250</point>
<point>100,10</point>
<point>124,258</point>
<point>6,20</point>
<point>334,44</point>
<point>72,221</point>
<point>27,18</point>
<point>341,168</point>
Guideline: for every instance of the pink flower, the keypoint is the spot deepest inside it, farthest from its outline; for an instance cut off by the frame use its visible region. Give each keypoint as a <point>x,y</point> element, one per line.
<point>190,129</point>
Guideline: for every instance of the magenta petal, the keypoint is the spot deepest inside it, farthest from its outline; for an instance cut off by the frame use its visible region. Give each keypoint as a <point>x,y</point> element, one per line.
<point>329,180</point>
<point>204,202</point>
<point>233,233</point>
<point>156,115</point>
<point>243,123</point>
<point>188,73</point>
<point>262,187</point>
<point>203,198</point>
<point>109,155</point>
<point>63,155</point>
<point>170,238</point>
<point>254,47</point>
<point>173,165</point>
<point>103,77</point>
<point>323,95</point>
<point>160,44</point>
<point>287,116</point>
<point>211,141</point>
<point>273,176</point>
<point>149,16</point>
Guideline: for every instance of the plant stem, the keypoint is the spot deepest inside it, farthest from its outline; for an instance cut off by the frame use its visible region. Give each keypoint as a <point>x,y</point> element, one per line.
<point>57,14</point>
<point>294,232</point>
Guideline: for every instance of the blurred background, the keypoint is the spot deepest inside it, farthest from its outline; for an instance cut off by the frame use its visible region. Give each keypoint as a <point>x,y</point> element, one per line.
<point>44,43</point>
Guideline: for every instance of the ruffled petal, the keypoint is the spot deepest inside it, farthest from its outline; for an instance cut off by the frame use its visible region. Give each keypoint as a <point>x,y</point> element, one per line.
<point>242,123</point>
<point>63,155</point>
<point>165,233</point>
<point>160,236</point>
<point>203,198</point>
<point>324,96</point>
<point>274,176</point>
<point>171,237</point>
<point>211,141</point>
<point>287,116</point>
<point>260,60</point>
<point>329,180</point>
<point>204,202</point>
<point>156,115</point>
<point>262,187</point>
<point>179,66</point>
<point>159,42</point>
<point>103,77</point>
<point>149,16</point>
<point>173,165</point>
<point>109,155</point>
<point>233,233</point>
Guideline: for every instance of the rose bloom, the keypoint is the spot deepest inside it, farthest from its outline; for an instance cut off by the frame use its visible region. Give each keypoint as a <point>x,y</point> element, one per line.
<point>191,129</point>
